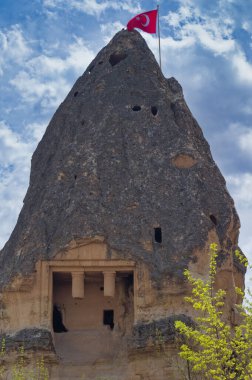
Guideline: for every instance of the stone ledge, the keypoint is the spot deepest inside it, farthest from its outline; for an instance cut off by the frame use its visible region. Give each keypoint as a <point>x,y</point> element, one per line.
<point>29,339</point>
<point>147,335</point>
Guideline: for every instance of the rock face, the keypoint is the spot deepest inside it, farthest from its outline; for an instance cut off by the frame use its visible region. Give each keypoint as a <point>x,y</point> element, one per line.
<point>121,156</point>
<point>123,166</point>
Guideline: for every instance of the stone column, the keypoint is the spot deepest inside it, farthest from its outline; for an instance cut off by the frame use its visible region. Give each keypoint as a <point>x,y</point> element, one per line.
<point>78,284</point>
<point>109,283</point>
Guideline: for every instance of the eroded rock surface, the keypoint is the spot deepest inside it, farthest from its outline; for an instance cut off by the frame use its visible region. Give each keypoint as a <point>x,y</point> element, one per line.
<point>111,145</point>
<point>124,195</point>
<point>29,339</point>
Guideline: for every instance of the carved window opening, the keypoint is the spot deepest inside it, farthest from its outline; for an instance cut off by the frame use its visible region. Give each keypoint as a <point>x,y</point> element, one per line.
<point>158,235</point>
<point>108,318</point>
<point>154,110</point>
<point>76,93</point>
<point>136,108</point>
<point>116,58</point>
<point>213,219</point>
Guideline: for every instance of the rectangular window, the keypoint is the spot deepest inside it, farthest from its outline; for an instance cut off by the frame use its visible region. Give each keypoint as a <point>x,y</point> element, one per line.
<point>158,235</point>
<point>108,318</point>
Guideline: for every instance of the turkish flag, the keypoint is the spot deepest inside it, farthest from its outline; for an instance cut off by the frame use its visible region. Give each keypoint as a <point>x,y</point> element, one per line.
<point>145,21</point>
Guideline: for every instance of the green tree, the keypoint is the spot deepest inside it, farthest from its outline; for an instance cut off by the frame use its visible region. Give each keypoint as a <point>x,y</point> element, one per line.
<point>214,349</point>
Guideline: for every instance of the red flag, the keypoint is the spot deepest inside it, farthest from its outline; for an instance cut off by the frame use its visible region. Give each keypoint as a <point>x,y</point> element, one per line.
<point>145,21</point>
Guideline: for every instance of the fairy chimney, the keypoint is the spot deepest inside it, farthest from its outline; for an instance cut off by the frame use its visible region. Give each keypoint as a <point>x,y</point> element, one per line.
<point>123,196</point>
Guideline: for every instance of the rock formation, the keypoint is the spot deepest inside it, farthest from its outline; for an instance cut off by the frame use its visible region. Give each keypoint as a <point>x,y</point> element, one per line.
<point>123,193</point>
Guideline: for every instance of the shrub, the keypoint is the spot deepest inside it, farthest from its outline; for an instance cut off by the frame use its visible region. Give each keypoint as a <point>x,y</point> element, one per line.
<point>214,349</point>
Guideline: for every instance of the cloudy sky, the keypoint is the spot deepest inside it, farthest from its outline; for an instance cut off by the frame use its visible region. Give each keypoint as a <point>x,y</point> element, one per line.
<point>46,44</point>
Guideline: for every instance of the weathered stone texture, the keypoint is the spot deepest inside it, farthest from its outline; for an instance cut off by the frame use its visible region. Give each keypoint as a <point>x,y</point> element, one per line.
<point>122,155</point>
<point>157,332</point>
<point>30,339</point>
<point>123,191</point>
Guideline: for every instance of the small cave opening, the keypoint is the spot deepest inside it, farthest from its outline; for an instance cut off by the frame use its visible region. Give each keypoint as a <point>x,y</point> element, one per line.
<point>58,325</point>
<point>213,219</point>
<point>108,318</point>
<point>75,177</point>
<point>154,110</point>
<point>136,108</point>
<point>100,63</point>
<point>76,93</point>
<point>158,234</point>
<point>116,58</point>
<point>173,108</point>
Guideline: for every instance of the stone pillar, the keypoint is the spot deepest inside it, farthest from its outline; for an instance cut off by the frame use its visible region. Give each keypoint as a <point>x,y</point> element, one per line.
<point>78,284</point>
<point>109,283</point>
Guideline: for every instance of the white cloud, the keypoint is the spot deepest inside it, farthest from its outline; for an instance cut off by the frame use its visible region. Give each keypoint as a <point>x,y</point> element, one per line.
<point>241,135</point>
<point>183,43</point>
<point>245,142</point>
<point>79,56</point>
<point>91,7</point>
<point>247,26</point>
<point>34,132</point>
<point>192,27</point>
<point>95,8</point>
<point>50,3</point>
<point>241,186</point>
<point>44,78</point>
<point>109,29</point>
<point>13,47</point>
<point>242,67</point>
<point>214,34</point>
<point>13,148</point>
<point>210,38</point>
<point>16,151</point>
<point>35,89</point>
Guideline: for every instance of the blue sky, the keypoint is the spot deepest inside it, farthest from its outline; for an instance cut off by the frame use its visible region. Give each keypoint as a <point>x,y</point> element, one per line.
<point>46,44</point>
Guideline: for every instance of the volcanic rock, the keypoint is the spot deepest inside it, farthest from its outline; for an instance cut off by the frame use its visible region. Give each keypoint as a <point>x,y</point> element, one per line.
<point>121,156</point>
<point>124,195</point>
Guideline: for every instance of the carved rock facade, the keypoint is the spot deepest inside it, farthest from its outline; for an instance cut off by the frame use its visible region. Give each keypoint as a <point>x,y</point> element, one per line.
<point>123,196</point>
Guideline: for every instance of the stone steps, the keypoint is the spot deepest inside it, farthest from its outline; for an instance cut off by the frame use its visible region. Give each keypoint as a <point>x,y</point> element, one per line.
<point>99,371</point>
<point>88,346</point>
<point>93,354</point>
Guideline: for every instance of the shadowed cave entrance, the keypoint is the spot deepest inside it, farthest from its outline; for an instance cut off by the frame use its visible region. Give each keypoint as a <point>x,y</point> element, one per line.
<point>91,328</point>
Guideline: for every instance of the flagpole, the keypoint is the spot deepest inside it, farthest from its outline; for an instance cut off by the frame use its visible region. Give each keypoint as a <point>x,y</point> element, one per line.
<point>159,46</point>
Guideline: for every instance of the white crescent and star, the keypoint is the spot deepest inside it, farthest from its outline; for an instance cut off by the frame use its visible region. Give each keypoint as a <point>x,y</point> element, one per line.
<point>147,20</point>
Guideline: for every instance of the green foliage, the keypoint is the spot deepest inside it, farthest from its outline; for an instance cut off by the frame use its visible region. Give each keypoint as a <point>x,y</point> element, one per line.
<point>212,348</point>
<point>19,371</point>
